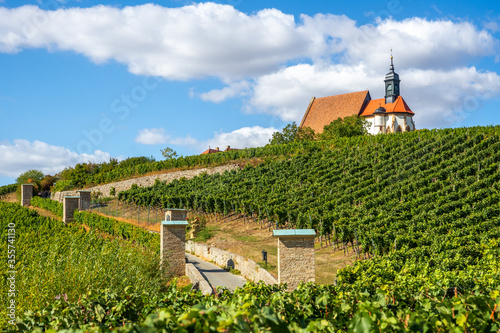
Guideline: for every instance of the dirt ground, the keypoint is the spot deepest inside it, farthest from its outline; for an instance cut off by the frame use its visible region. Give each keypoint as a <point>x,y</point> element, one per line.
<point>249,239</point>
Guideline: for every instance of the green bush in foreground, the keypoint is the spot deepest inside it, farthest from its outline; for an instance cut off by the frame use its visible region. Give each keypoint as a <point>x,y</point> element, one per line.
<point>54,260</point>
<point>48,204</point>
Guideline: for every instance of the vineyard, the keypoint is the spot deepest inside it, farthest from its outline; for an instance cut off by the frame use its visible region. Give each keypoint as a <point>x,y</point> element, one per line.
<point>75,279</point>
<point>425,205</point>
<point>421,210</point>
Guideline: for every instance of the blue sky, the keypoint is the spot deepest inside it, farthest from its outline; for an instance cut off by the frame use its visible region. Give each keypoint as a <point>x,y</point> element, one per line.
<point>89,80</point>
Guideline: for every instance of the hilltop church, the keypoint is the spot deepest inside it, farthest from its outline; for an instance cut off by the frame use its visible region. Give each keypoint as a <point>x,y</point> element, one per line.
<point>385,115</point>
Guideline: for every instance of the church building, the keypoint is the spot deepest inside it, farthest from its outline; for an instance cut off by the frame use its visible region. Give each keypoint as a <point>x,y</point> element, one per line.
<point>385,115</point>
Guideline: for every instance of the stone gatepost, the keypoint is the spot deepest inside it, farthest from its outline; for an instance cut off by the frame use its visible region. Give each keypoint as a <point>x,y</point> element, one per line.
<point>172,214</point>
<point>26,194</point>
<point>84,202</point>
<point>70,204</point>
<point>295,256</point>
<point>173,246</point>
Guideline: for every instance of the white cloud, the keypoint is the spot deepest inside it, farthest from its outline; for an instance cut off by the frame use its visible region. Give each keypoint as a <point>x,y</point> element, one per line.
<point>22,155</point>
<point>278,61</point>
<point>193,41</point>
<point>152,136</point>
<point>245,137</point>
<point>156,136</point>
<point>438,97</point>
<point>233,90</point>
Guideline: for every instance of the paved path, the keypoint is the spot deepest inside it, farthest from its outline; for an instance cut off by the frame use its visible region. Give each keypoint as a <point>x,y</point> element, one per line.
<point>215,275</point>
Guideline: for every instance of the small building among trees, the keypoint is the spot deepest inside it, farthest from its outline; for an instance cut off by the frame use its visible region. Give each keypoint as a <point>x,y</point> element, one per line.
<point>390,114</point>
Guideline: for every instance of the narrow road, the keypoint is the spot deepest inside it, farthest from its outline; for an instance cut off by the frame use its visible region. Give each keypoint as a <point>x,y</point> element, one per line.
<point>215,275</point>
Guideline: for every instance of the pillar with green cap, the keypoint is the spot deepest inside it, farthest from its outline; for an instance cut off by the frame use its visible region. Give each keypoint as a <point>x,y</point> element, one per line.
<point>295,256</point>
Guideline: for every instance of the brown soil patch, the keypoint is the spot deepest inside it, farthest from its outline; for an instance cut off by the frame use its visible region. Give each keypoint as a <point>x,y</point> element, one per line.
<point>46,213</point>
<point>248,239</point>
<point>10,197</point>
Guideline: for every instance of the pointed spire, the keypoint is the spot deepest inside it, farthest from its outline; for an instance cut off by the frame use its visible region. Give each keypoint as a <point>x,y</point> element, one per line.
<point>392,64</point>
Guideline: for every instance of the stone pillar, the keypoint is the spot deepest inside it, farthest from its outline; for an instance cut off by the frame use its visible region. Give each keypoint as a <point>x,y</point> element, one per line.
<point>26,194</point>
<point>173,246</point>
<point>84,202</point>
<point>70,204</point>
<point>172,214</point>
<point>295,256</point>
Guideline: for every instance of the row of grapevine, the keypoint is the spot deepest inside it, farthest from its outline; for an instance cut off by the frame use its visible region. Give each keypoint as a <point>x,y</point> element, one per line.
<point>418,198</point>
<point>50,260</point>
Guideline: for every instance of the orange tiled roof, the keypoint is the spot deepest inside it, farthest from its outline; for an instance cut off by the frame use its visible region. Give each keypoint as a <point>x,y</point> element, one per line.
<point>322,111</point>
<point>398,106</point>
<point>210,151</point>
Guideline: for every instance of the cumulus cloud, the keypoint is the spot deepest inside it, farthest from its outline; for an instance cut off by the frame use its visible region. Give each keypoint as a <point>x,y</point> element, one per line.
<point>152,136</point>
<point>245,137</point>
<point>156,136</point>
<point>233,90</point>
<point>22,155</point>
<point>438,97</point>
<point>276,60</point>
<point>193,41</point>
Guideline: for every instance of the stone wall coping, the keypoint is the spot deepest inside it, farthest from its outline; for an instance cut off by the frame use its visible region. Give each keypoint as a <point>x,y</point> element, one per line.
<point>197,279</point>
<point>28,184</point>
<point>248,268</point>
<point>72,197</point>
<point>167,209</point>
<point>174,222</point>
<point>84,191</point>
<point>294,233</point>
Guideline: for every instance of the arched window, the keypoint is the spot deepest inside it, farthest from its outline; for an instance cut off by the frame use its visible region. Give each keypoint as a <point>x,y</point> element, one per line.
<point>399,130</point>
<point>388,130</point>
<point>407,128</point>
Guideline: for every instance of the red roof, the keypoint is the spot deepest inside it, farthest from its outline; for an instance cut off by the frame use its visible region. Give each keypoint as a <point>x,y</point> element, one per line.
<point>210,151</point>
<point>399,106</point>
<point>322,111</point>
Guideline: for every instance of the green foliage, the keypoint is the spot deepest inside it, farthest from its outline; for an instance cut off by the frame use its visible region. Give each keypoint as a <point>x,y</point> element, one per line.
<point>47,182</point>
<point>345,128</point>
<point>119,229</point>
<point>168,153</point>
<point>424,204</point>
<point>48,204</point>
<point>31,176</point>
<point>291,133</point>
<point>6,189</point>
<point>57,261</point>
<point>203,235</point>
<point>261,308</point>
<point>112,191</point>
<point>62,185</point>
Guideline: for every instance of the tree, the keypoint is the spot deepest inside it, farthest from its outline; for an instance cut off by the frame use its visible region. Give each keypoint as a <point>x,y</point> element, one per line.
<point>168,153</point>
<point>345,127</point>
<point>291,133</point>
<point>32,177</point>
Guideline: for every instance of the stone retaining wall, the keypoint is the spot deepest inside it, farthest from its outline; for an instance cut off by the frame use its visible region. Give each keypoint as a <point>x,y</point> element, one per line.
<point>248,268</point>
<point>147,181</point>
<point>198,280</point>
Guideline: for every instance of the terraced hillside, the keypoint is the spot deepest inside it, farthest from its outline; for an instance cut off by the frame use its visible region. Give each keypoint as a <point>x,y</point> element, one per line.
<point>425,203</point>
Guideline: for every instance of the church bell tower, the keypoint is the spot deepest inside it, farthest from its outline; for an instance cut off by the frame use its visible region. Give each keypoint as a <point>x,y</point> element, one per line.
<point>391,84</point>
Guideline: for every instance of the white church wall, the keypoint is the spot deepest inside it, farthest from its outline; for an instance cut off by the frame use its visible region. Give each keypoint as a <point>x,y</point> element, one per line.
<point>399,120</point>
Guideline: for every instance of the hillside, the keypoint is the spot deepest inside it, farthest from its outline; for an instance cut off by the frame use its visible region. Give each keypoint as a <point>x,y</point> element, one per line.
<point>420,209</point>
<point>425,204</point>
